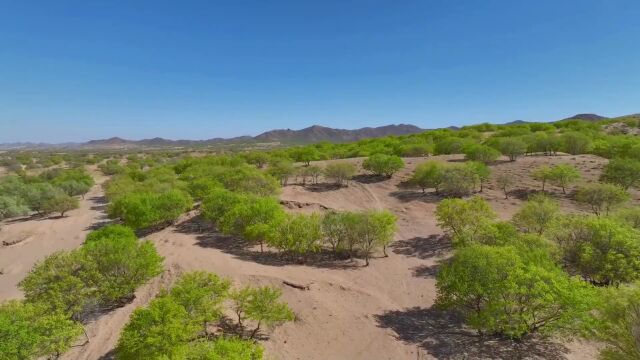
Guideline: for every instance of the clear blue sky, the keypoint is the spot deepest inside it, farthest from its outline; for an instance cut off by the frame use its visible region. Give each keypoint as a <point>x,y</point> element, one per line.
<point>79,70</point>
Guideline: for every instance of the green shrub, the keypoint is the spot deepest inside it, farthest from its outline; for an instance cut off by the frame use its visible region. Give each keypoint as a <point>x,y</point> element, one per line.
<point>602,197</point>
<point>498,291</point>
<point>623,172</point>
<point>383,165</point>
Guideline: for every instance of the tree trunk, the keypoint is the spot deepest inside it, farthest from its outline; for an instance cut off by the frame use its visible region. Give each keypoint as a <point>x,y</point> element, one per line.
<point>253,333</point>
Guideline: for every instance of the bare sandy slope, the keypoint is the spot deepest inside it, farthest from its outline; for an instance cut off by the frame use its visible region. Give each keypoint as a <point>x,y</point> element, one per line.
<point>39,237</point>
<point>383,311</point>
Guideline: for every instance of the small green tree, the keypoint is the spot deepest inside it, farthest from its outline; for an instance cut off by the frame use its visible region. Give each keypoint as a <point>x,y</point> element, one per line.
<point>299,233</point>
<point>158,331</point>
<point>498,291</point>
<point>218,203</point>
<point>29,331</point>
<point>58,284</point>
<point>602,197</point>
<point>339,172</point>
<point>536,214</point>
<point>202,295</point>
<point>118,265</point>
<point>512,147</point>
<point>505,182</point>
<point>481,153</point>
<point>281,170</point>
<point>427,175</point>
<point>575,143</point>
<point>265,308</point>
<point>542,173</point>
<point>458,180</point>
<point>61,203</point>
<point>629,215</point>
<point>463,219</point>
<point>481,170</point>
<point>563,175</point>
<point>623,172</point>
<point>223,348</point>
<point>616,322</point>
<point>305,154</point>
<point>383,165</point>
<point>602,250</point>
<point>376,229</point>
<point>11,207</point>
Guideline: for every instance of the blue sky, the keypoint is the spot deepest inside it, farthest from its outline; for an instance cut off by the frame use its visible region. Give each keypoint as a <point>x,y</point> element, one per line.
<point>79,70</point>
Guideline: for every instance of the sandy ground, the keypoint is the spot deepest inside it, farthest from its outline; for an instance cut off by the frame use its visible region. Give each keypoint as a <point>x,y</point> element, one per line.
<point>383,311</point>
<point>38,237</point>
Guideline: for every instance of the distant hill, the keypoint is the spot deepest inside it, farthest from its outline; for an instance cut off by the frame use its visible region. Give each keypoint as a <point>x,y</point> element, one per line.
<point>312,134</point>
<point>318,133</point>
<point>587,117</point>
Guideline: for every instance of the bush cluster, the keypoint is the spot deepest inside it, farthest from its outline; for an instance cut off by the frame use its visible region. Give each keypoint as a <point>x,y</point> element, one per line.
<point>178,323</point>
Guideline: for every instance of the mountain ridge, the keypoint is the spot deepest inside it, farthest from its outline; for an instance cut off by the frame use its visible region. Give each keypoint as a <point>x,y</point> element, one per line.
<point>311,134</point>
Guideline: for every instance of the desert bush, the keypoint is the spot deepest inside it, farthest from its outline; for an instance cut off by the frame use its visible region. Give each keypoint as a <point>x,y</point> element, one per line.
<point>29,331</point>
<point>463,219</point>
<point>111,167</point>
<point>543,174</point>
<point>481,153</point>
<point>563,175</point>
<point>575,143</point>
<point>481,170</point>
<point>629,215</point>
<point>202,295</point>
<point>299,234</point>
<point>536,214</point>
<point>218,203</point>
<point>512,147</point>
<point>602,197</point>
<point>257,158</point>
<point>615,323</point>
<point>254,218</point>
<point>111,231</point>
<point>282,170</point>
<point>601,250</point>
<point>261,305</point>
<point>105,271</point>
<point>11,207</point>
<point>623,172</point>
<point>458,180</point>
<point>416,150</point>
<point>505,183</point>
<point>383,165</point>
<point>427,175</point>
<point>339,172</point>
<point>140,210</point>
<point>221,348</point>
<point>59,202</point>
<point>175,324</point>
<point>305,154</point>
<point>499,291</point>
<point>374,229</point>
<point>161,330</point>
<point>118,265</point>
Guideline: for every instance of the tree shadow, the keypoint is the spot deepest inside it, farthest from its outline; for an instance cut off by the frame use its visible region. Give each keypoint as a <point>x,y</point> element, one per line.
<point>443,335</point>
<point>523,194</point>
<point>208,237</point>
<point>426,271</point>
<point>323,187</point>
<point>369,178</point>
<point>416,195</point>
<point>435,245</point>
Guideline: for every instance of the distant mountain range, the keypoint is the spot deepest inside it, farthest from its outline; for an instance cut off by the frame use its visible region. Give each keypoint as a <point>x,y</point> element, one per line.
<point>308,135</point>
<point>312,134</point>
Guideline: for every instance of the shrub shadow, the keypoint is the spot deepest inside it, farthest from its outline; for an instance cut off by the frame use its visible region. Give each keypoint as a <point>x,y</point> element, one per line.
<point>426,271</point>
<point>369,178</point>
<point>208,237</point>
<point>434,245</point>
<point>443,335</point>
<point>416,195</point>
<point>323,187</point>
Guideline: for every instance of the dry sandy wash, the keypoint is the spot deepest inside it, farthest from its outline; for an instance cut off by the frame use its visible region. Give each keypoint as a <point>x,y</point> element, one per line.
<point>383,311</point>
